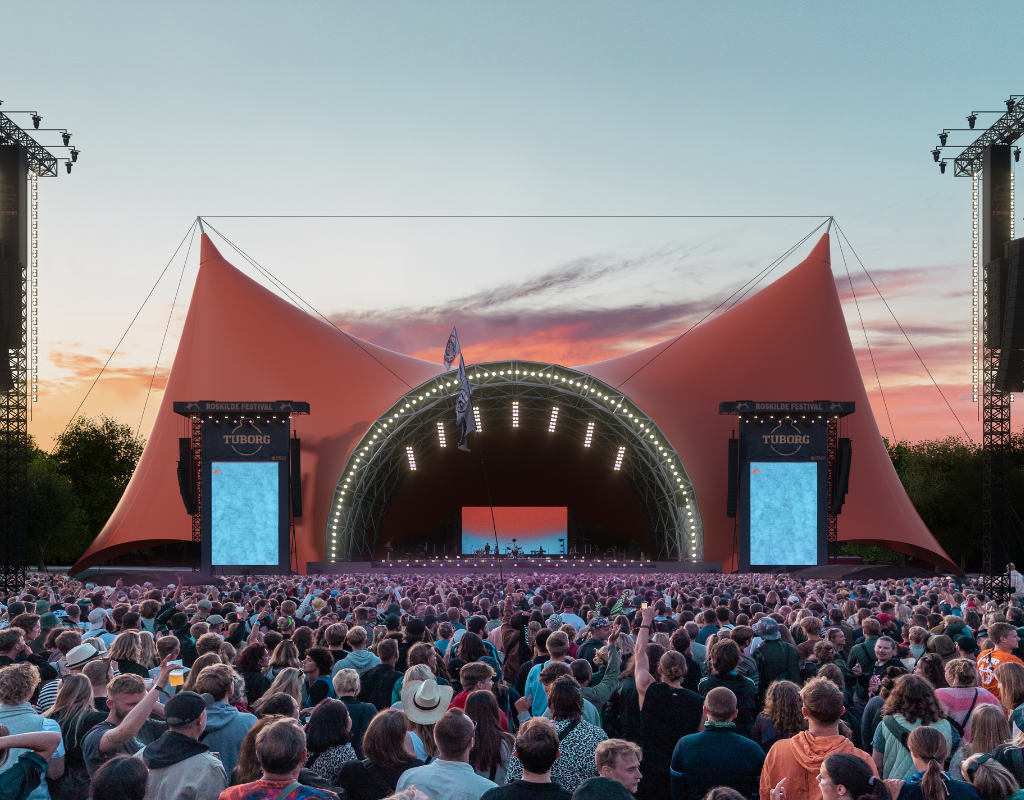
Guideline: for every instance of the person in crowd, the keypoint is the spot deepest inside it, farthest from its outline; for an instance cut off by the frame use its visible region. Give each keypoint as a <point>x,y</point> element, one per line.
<point>929,750</point>
<point>931,667</point>
<point>127,727</point>
<point>181,767</point>
<point>717,756</point>
<point>990,779</point>
<point>226,726</point>
<point>120,778</point>
<point>846,777</point>
<point>989,729</point>
<point>360,659</point>
<point>781,718</point>
<point>450,776</point>
<point>723,658</point>
<point>557,646</point>
<point>424,703</point>
<point>1010,680</point>
<point>328,740</point>
<point>600,630</point>
<point>618,772</point>
<point>252,665</point>
<point>492,745</point>
<point>201,663</point>
<point>378,682</point>
<point>1005,639</point>
<point>285,656</point>
<point>74,711</point>
<point>347,688</point>
<point>963,695</point>
<point>911,704</point>
<point>536,748</point>
<point>798,759</point>
<point>18,683</point>
<point>668,712</point>
<point>24,761</point>
<point>317,666</point>
<point>288,681</point>
<point>579,739</point>
<point>376,776</point>
<point>126,652</point>
<point>776,660</point>
<point>280,748</point>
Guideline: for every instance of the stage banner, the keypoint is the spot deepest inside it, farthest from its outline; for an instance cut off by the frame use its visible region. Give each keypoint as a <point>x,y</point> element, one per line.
<point>245,441</point>
<point>786,440</point>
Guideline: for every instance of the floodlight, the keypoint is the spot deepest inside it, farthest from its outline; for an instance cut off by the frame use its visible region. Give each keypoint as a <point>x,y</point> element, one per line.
<point>971,120</point>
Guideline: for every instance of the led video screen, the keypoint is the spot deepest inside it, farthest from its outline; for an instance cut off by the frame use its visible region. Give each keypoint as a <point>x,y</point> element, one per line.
<point>783,513</point>
<point>244,507</point>
<point>536,530</point>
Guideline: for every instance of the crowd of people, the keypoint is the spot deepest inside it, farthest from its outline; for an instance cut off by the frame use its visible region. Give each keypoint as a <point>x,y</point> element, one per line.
<point>541,687</point>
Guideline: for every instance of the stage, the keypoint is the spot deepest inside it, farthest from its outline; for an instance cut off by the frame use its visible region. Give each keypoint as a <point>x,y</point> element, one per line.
<point>508,566</point>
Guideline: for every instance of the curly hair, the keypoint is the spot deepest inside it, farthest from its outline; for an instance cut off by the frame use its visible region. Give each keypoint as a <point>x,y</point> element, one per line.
<point>17,683</point>
<point>782,705</point>
<point>915,699</point>
<point>251,658</point>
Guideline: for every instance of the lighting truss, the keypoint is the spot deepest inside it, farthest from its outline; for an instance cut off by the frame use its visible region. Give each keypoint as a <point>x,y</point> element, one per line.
<point>33,284</point>
<point>40,160</point>
<point>379,464</point>
<point>1006,130</point>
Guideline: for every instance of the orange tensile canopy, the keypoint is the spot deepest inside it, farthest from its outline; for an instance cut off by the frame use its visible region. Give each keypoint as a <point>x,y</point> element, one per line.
<point>789,342</point>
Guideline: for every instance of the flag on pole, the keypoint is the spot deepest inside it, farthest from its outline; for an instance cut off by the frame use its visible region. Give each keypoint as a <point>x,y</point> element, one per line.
<point>464,406</point>
<point>451,350</point>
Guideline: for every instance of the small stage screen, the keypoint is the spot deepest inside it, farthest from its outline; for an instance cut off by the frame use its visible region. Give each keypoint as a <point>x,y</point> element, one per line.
<point>783,513</point>
<point>245,514</point>
<point>530,530</point>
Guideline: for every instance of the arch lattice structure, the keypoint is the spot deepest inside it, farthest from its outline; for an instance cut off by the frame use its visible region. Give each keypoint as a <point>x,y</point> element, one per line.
<point>515,394</point>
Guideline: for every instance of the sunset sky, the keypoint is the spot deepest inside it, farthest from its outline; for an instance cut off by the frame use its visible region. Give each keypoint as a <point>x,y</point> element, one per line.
<point>537,115</point>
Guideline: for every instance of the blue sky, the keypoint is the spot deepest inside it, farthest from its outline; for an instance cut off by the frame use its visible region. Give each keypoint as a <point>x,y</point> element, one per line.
<point>487,108</point>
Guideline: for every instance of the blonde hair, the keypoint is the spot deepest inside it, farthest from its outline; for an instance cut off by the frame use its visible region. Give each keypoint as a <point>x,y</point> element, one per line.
<point>147,652</point>
<point>126,646</point>
<point>288,681</point>
<point>346,682</point>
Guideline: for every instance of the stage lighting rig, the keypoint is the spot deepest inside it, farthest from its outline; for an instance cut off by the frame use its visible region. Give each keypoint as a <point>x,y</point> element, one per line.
<point>986,161</point>
<point>23,161</point>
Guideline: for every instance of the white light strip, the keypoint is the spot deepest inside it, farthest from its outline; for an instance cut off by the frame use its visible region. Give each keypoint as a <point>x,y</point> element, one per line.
<point>515,414</point>
<point>33,295</point>
<point>412,458</point>
<point>590,434</point>
<point>975,289</point>
<point>476,416</point>
<point>618,458</point>
<point>554,419</point>
<point>440,435</point>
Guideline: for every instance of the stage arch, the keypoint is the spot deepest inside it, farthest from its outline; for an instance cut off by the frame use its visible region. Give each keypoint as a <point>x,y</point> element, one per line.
<point>520,394</point>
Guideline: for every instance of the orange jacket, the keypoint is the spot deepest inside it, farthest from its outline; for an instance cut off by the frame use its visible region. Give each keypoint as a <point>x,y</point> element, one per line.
<point>799,760</point>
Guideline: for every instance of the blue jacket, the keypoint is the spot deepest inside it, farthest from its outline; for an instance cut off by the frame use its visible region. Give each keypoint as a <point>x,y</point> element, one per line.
<point>226,727</point>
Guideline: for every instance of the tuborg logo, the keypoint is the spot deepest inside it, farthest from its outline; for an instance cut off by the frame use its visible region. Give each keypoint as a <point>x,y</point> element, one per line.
<point>250,443</point>
<point>786,442</point>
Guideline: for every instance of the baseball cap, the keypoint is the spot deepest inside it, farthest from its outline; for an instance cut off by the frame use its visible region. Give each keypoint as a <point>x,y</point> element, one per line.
<point>183,708</point>
<point>204,603</point>
<point>599,622</point>
<point>97,615</point>
<point>214,619</point>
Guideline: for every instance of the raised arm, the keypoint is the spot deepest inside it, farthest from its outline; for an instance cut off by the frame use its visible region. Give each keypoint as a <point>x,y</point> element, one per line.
<point>644,679</point>
<point>43,743</point>
<point>135,718</point>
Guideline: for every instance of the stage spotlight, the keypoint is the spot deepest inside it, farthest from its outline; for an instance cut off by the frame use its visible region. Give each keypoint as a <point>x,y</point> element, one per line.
<point>66,137</point>
<point>67,165</point>
<point>942,138</point>
<point>971,120</point>
<point>1016,154</point>
<point>74,154</point>
<point>36,119</point>
<point>935,154</point>
<point>942,167</point>
<point>1010,104</point>
<point>618,458</point>
<point>554,419</point>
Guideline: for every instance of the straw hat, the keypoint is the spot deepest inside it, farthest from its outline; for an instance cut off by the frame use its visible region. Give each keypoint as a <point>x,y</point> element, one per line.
<point>424,702</point>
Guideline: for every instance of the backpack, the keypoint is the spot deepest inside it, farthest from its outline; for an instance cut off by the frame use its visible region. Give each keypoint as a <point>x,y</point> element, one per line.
<point>956,725</point>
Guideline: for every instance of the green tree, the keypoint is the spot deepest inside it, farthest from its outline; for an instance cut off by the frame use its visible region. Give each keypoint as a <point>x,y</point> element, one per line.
<point>98,455</point>
<point>56,530</point>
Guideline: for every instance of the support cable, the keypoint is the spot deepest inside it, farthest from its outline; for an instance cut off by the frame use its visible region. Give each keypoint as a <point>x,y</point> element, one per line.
<point>746,287</point>
<point>123,335</point>
<point>874,366</point>
<point>267,274</point>
<point>889,309</point>
<point>170,314</point>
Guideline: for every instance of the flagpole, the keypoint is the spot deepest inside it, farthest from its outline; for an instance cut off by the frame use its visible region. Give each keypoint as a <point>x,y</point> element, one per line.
<point>487,486</point>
